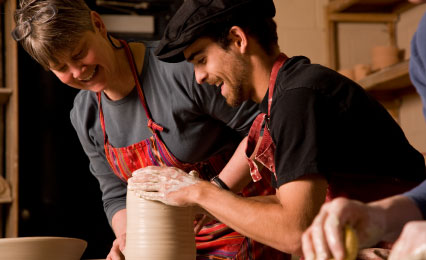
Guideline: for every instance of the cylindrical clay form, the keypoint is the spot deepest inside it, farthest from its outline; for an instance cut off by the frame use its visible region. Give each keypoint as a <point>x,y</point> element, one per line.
<point>158,231</point>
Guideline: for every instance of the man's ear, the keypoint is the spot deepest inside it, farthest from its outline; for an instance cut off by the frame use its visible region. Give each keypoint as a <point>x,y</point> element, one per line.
<point>238,38</point>
<point>98,24</point>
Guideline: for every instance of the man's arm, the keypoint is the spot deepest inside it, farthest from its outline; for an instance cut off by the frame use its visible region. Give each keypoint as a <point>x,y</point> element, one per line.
<point>236,173</point>
<point>278,223</point>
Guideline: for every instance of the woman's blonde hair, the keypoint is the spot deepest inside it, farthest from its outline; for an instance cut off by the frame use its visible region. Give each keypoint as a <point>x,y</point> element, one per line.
<point>45,34</point>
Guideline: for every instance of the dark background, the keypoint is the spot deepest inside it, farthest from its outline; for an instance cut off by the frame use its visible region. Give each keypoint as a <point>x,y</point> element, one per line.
<point>58,195</point>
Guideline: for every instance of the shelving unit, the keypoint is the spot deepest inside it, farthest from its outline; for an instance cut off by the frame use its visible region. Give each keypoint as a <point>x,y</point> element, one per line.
<point>387,85</point>
<point>361,11</point>
<point>9,123</point>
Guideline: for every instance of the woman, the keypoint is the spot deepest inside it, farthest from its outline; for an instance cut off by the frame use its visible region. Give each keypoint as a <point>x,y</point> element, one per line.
<point>135,111</point>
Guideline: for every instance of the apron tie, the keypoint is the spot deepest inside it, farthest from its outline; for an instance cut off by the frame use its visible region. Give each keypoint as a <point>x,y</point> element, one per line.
<point>154,126</point>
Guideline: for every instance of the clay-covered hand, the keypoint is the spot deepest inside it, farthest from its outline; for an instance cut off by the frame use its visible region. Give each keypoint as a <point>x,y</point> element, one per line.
<point>165,184</point>
<point>411,244</point>
<point>117,248</point>
<point>324,238</point>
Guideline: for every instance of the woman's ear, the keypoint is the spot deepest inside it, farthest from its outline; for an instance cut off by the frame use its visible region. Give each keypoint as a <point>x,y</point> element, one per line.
<point>98,24</point>
<point>238,38</point>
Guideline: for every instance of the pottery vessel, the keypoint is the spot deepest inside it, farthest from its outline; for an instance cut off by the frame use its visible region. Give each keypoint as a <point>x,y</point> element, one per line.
<point>349,73</point>
<point>158,231</point>
<point>41,248</point>
<point>361,71</point>
<point>384,56</point>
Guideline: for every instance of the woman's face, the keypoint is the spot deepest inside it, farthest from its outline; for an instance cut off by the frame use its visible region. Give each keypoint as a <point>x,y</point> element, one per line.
<point>90,65</point>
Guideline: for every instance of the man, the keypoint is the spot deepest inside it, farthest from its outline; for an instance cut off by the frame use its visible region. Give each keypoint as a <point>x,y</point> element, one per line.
<point>323,135</point>
<point>383,219</point>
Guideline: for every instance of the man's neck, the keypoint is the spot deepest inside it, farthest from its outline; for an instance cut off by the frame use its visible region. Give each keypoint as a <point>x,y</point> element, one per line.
<point>262,67</point>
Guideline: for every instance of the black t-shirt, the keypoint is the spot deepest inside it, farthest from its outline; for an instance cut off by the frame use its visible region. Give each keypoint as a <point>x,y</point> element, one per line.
<point>324,123</point>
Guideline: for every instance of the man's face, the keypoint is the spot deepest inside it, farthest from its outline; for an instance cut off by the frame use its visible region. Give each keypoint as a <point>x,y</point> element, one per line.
<point>226,69</point>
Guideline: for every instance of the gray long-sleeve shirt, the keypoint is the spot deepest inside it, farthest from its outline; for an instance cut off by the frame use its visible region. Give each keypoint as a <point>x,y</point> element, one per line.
<point>196,119</point>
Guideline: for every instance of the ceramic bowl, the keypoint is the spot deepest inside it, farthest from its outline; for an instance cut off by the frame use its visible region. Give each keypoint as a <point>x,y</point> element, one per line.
<point>41,248</point>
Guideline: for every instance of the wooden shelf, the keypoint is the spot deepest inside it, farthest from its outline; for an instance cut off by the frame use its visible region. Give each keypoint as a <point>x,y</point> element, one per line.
<point>368,6</point>
<point>392,78</point>
<point>9,130</point>
<point>4,95</point>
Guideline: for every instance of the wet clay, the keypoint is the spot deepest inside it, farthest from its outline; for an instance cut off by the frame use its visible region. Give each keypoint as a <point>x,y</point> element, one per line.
<point>158,231</point>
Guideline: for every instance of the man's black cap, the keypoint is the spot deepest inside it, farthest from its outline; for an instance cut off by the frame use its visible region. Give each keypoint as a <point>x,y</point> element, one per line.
<point>194,16</point>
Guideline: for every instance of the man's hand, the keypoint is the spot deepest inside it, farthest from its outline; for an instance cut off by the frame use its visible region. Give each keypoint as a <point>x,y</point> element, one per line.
<point>411,245</point>
<point>165,184</point>
<point>324,238</point>
<point>116,252</point>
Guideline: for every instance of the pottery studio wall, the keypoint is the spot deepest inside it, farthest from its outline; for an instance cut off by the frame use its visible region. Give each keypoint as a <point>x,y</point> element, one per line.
<point>301,31</point>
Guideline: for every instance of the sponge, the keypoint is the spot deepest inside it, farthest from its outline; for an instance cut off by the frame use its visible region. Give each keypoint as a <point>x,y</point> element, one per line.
<point>351,244</point>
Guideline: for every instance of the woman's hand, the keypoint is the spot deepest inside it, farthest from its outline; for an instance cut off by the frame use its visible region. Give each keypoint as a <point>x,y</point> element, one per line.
<point>116,252</point>
<point>165,184</point>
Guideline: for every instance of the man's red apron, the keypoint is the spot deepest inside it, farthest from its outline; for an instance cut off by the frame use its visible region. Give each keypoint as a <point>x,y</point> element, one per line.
<point>215,240</point>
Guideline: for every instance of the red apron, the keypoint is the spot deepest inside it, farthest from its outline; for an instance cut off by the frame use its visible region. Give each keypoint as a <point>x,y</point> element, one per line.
<point>215,240</point>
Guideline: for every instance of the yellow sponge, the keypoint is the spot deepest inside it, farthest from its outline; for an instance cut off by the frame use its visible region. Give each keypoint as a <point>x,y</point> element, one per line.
<point>351,244</point>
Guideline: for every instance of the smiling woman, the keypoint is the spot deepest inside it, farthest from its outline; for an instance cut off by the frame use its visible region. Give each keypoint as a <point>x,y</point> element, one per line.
<point>134,111</point>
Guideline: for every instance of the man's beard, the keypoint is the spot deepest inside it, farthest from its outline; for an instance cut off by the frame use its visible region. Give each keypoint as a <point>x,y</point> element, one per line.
<point>235,97</point>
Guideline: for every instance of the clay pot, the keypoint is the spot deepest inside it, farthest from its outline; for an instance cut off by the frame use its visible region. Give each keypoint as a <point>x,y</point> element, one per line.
<point>384,56</point>
<point>349,73</point>
<point>158,231</point>
<point>361,71</point>
<point>41,248</point>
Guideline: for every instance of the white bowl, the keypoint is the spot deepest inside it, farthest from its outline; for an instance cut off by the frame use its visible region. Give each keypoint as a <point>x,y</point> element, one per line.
<point>41,248</point>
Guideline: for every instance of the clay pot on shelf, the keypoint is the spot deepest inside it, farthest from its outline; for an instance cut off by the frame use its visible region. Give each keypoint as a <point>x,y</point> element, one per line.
<point>383,56</point>
<point>361,71</point>
<point>349,73</point>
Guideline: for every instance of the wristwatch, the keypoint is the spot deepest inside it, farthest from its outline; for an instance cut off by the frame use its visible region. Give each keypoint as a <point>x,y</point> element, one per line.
<point>219,182</point>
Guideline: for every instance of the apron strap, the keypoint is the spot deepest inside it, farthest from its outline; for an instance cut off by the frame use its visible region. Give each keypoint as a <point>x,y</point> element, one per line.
<point>265,153</point>
<point>101,116</point>
<point>275,69</point>
<point>151,124</point>
<point>252,139</point>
